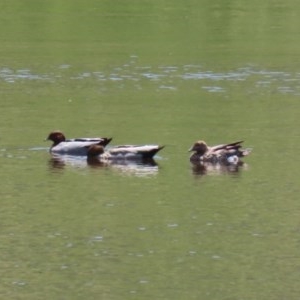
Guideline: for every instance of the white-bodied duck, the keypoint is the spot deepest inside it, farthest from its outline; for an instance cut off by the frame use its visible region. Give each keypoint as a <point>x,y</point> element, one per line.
<point>77,146</point>
<point>125,152</point>
<point>223,154</point>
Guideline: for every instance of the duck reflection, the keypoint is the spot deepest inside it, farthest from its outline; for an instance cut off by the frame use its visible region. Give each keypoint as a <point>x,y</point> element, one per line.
<point>142,167</point>
<point>60,161</point>
<point>56,163</point>
<point>201,168</point>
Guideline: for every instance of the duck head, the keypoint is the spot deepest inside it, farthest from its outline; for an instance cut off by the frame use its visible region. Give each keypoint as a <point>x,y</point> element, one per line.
<point>94,150</point>
<point>200,147</point>
<point>56,137</point>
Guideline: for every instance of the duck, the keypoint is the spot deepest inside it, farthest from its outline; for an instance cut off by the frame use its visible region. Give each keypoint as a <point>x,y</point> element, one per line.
<point>228,154</point>
<point>124,152</point>
<point>75,146</point>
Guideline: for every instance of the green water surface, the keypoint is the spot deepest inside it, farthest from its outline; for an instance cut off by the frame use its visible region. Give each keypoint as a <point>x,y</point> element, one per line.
<point>165,72</point>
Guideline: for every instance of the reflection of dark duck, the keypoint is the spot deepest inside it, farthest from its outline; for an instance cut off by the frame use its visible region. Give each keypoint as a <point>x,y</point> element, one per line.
<point>77,146</point>
<point>56,163</point>
<point>60,161</point>
<point>137,167</point>
<point>228,154</point>
<point>126,152</point>
<point>94,162</point>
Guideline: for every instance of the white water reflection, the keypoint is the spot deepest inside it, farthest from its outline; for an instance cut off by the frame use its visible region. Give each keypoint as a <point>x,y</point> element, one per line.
<point>165,77</point>
<point>12,76</point>
<point>214,89</point>
<point>217,168</point>
<point>124,167</point>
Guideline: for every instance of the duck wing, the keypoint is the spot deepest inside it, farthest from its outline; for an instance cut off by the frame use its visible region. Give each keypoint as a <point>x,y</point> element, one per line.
<point>232,149</point>
<point>74,147</point>
<point>99,140</point>
<point>235,145</point>
<point>134,151</point>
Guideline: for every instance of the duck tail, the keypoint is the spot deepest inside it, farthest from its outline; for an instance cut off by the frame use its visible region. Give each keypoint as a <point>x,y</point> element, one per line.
<point>151,153</point>
<point>105,141</point>
<point>246,152</point>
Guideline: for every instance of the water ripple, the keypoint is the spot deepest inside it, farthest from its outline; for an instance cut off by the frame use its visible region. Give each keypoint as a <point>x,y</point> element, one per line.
<point>11,76</point>
<point>166,77</point>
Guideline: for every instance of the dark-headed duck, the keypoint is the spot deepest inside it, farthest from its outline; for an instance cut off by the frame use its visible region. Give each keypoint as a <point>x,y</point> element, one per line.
<point>77,146</point>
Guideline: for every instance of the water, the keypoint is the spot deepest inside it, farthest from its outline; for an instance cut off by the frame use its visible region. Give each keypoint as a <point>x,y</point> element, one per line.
<point>159,72</point>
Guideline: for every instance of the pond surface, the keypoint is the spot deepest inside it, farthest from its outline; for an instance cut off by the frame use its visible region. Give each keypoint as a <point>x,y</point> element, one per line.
<point>150,72</point>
